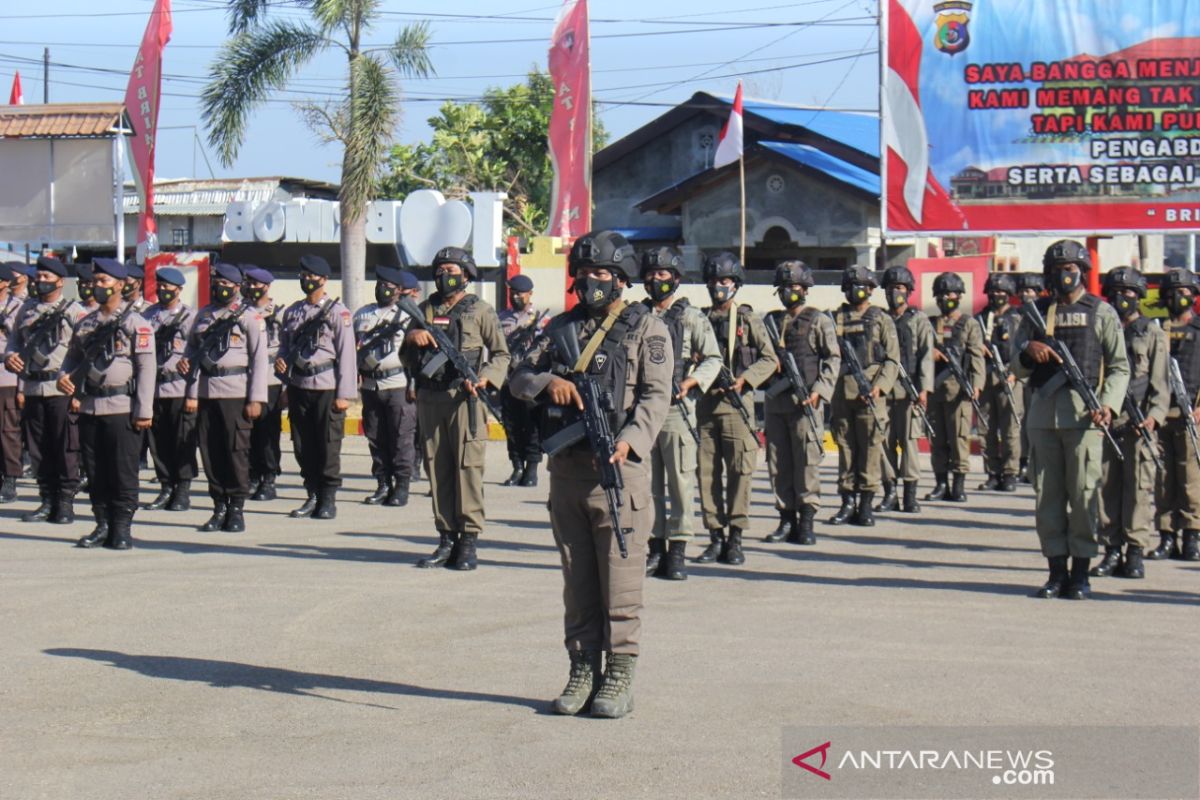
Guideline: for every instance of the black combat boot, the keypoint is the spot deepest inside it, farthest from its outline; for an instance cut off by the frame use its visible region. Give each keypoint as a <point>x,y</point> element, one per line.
<point>1191,546</point>
<point>1008,483</point>
<point>382,489</point>
<point>911,506</point>
<point>1058,578</point>
<point>939,488</point>
<point>464,553</point>
<point>64,509</point>
<point>958,489</point>
<point>890,501</point>
<point>990,485</point>
<point>181,497</point>
<point>655,550</point>
<point>235,520</point>
<point>847,510</point>
<point>120,522</point>
<point>217,520</point>
<point>8,490</point>
<point>863,515</point>
<point>1166,547</point>
<point>42,512</point>
<point>732,553</point>
<point>266,490</point>
<point>255,485</point>
<point>99,534</point>
<point>517,473</point>
<point>1023,472</point>
<point>615,698</point>
<point>530,476</point>
<point>399,494</point>
<point>674,568</point>
<point>1131,566</point>
<point>327,505</point>
<point>307,509</point>
<point>804,526</point>
<point>787,524</point>
<point>587,672</point>
<point>716,543</point>
<point>1108,565</point>
<point>1078,587</point>
<point>161,500</point>
<point>441,554</point>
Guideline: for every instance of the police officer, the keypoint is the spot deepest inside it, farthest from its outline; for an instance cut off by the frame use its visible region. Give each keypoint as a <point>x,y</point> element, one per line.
<point>35,353</point>
<point>452,422</point>
<point>110,369</point>
<point>1002,437</point>
<point>85,280</point>
<point>1066,441</point>
<point>264,436</point>
<point>796,441</point>
<point>626,350</point>
<point>226,364</point>
<point>1128,487</point>
<point>697,360</point>
<point>131,289</point>
<point>1029,289</point>
<point>173,435</point>
<point>521,324</point>
<point>22,274</point>
<point>859,419</point>
<point>389,415</point>
<point>914,335</point>
<point>956,336</point>
<point>1179,498</point>
<point>10,411</point>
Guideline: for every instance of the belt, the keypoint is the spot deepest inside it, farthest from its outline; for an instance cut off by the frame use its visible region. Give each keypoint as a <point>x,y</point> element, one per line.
<point>126,389</point>
<point>224,372</point>
<point>382,374</point>
<point>167,375</point>
<point>308,372</point>
<point>42,375</point>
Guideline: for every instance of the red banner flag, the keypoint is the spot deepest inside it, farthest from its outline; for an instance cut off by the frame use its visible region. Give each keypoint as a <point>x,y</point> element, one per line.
<point>141,103</point>
<point>16,97</point>
<point>571,123</point>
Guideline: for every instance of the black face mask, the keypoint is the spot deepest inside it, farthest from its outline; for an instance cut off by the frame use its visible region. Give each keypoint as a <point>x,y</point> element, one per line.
<point>857,293</point>
<point>661,290</point>
<point>384,295</point>
<point>309,285</point>
<point>597,295</point>
<point>1067,282</point>
<point>449,284</point>
<point>223,295</point>
<point>167,296</point>
<point>1125,306</point>
<point>86,292</point>
<point>897,297</point>
<point>43,288</point>
<point>998,301</point>
<point>253,295</point>
<point>947,305</point>
<point>128,290</point>
<point>519,303</point>
<point>1180,303</point>
<point>103,293</point>
<point>791,298</point>
<point>722,294</point>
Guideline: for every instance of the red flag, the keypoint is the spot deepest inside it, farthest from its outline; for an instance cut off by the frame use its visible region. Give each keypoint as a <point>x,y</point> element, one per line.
<point>141,103</point>
<point>729,145</point>
<point>16,97</point>
<point>571,123</point>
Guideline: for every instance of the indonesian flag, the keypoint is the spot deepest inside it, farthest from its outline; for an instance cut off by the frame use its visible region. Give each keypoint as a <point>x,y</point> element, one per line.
<point>16,97</point>
<point>570,133</point>
<point>141,103</point>
<point>730,143</point>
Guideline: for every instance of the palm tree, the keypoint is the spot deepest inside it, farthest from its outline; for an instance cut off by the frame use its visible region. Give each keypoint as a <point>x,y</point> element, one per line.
<point>263,54</point>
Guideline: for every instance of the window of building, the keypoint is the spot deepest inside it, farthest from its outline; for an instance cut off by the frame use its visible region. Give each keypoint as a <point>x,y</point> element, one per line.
<point>181,237</point>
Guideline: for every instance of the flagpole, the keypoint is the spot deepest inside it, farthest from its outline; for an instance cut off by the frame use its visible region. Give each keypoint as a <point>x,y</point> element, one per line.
<point>742,176</point>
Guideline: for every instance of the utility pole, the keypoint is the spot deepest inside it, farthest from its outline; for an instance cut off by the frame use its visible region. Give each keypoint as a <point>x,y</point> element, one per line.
<point>46,75</point>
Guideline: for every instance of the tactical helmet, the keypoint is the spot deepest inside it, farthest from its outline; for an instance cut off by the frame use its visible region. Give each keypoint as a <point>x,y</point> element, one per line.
<point>604,249</point>
<point>859,275</point>
<point>789,272</point>
<point>456,255</point>
<point>724,265</point>
<point>1124,278</point>
<point>1030,280</point>
<point>662,258</point>
<point>1179,279</point>
<point>899,276</point>
<point>1000,282</point>
<point>1066,251</point>
<point>948,283</point>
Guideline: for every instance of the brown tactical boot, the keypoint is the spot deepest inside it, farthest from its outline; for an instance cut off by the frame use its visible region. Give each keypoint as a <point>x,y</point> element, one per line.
<point>615,698</point>
<point>583,683</point>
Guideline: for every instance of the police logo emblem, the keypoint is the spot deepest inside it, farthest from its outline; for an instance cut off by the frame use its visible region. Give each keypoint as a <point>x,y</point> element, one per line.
<point>600,360</point>
<point>951,36</point>
<point>656,347</point>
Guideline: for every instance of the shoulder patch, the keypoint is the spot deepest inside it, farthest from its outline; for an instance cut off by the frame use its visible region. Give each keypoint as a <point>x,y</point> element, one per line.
<point>345,319</point>
<point>656,349</point>
<point>143,338</point>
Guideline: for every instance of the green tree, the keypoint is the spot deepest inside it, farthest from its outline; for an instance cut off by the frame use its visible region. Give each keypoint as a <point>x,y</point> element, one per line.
<point>263,54</point>
<point>500,143</point>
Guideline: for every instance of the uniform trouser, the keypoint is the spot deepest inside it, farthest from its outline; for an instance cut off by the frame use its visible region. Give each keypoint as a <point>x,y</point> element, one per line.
<point>1025,391</point>
<point>602,592</point>
<point>521,428</point>
<point>224,434</point>
<point>1127,493</point>
<point>1066,466</point>
<point>901,454</point>
<point>111,449</point>
<point>264,435</point>
<point>728,458</point>
<point>454,458</point>
<point>794,453</point>
<point>389,419</point>
<point>673,479</point>
<point>173,441</point>
<point>1002,434</point>
<point>10,433</point>
<point>320,431</point>
<point>52,436</point>
<point>950,450</point>
<point>1179,488</point>
<point>858,431</point>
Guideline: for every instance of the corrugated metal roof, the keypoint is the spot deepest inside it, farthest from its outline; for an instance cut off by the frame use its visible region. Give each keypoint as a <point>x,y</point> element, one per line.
<point>88,120</point>
<point>823,162</point>
<point>199,198</point>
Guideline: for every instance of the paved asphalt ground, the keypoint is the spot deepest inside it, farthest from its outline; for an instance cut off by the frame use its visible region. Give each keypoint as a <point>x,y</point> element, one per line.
<point>312,660</point>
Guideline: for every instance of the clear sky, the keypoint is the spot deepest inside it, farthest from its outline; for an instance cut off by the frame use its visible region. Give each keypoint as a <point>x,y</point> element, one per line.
<point>646,56</point>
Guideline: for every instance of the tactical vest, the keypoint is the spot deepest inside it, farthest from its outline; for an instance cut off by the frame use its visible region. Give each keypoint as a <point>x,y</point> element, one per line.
<point>446,376</point>
<point>958,338</point>
<point>1075,327</point>
<point>907,340</point>
<point>1139,385</point>
<point>674,322</point>
<point>746,353</point>
<point>1185,348</point>
<point>215,341</point>
<point>860,334</point>
<point>797,340</point>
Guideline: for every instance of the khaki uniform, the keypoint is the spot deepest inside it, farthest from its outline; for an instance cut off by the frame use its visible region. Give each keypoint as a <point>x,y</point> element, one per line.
<point>794,447</point>
<point>1002,437</point>
<point>728,448</point>
<point>901,455</point>
<point>1179,489</point>
<point>949,406</point>
<point>454,431</point>
<point>602,592</point>
<point>673,460</point>
<point>858,426</point>
<point>1066,447</point>
<point>1128,488</point>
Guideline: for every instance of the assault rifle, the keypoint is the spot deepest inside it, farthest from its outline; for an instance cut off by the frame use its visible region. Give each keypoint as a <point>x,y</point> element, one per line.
<point>954,361</point>
<point>792,379</point>
<point>687,419</point>
<point>996,365</point>
<point>99,349</point>
<point>164,337</point>
<point>1179,390</point>
<point>910,389</point>
<point>851,362</point>
<point>523,339</point>
<point>1138,420</point>
<point>383,333</point>
<point>214,341</point>
<point>309,334</point>
<point>724,385</point>
<point>44,332</point>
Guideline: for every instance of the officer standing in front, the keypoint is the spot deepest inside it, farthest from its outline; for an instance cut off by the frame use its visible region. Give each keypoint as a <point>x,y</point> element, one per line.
<point>1065,436</point>
<point>264,436</point>
<point>389,416</point>
<point>173,435</point>
<point>1128,487</point>
<point>602,592</point>
<point>110,369</point>
<point>521,324</point>
<point>10,410</point>
<point>226,364</point>
<point>452,422</point>
<point>795,445</point>
<point>697,360</point>
<point>1029,289</point>
<point>728,443</point>
<point>35,353</point>
<point>1002,437</point>
<point>317,360</point>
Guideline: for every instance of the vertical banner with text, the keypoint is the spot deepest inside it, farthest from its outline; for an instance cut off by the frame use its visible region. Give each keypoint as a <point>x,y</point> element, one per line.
<point>571,123</point>
<point>141,103</point>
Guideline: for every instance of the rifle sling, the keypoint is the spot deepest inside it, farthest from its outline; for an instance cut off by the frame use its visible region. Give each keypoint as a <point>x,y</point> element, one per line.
<point>597,339</point>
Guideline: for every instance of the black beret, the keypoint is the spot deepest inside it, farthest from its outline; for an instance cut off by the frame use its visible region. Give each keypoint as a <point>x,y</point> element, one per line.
<point>48,264</point>
<point>228,271</point>
<point>134,270</point>
<point>520,283</point>
<point>110,266</point>
<point>315,265</point>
